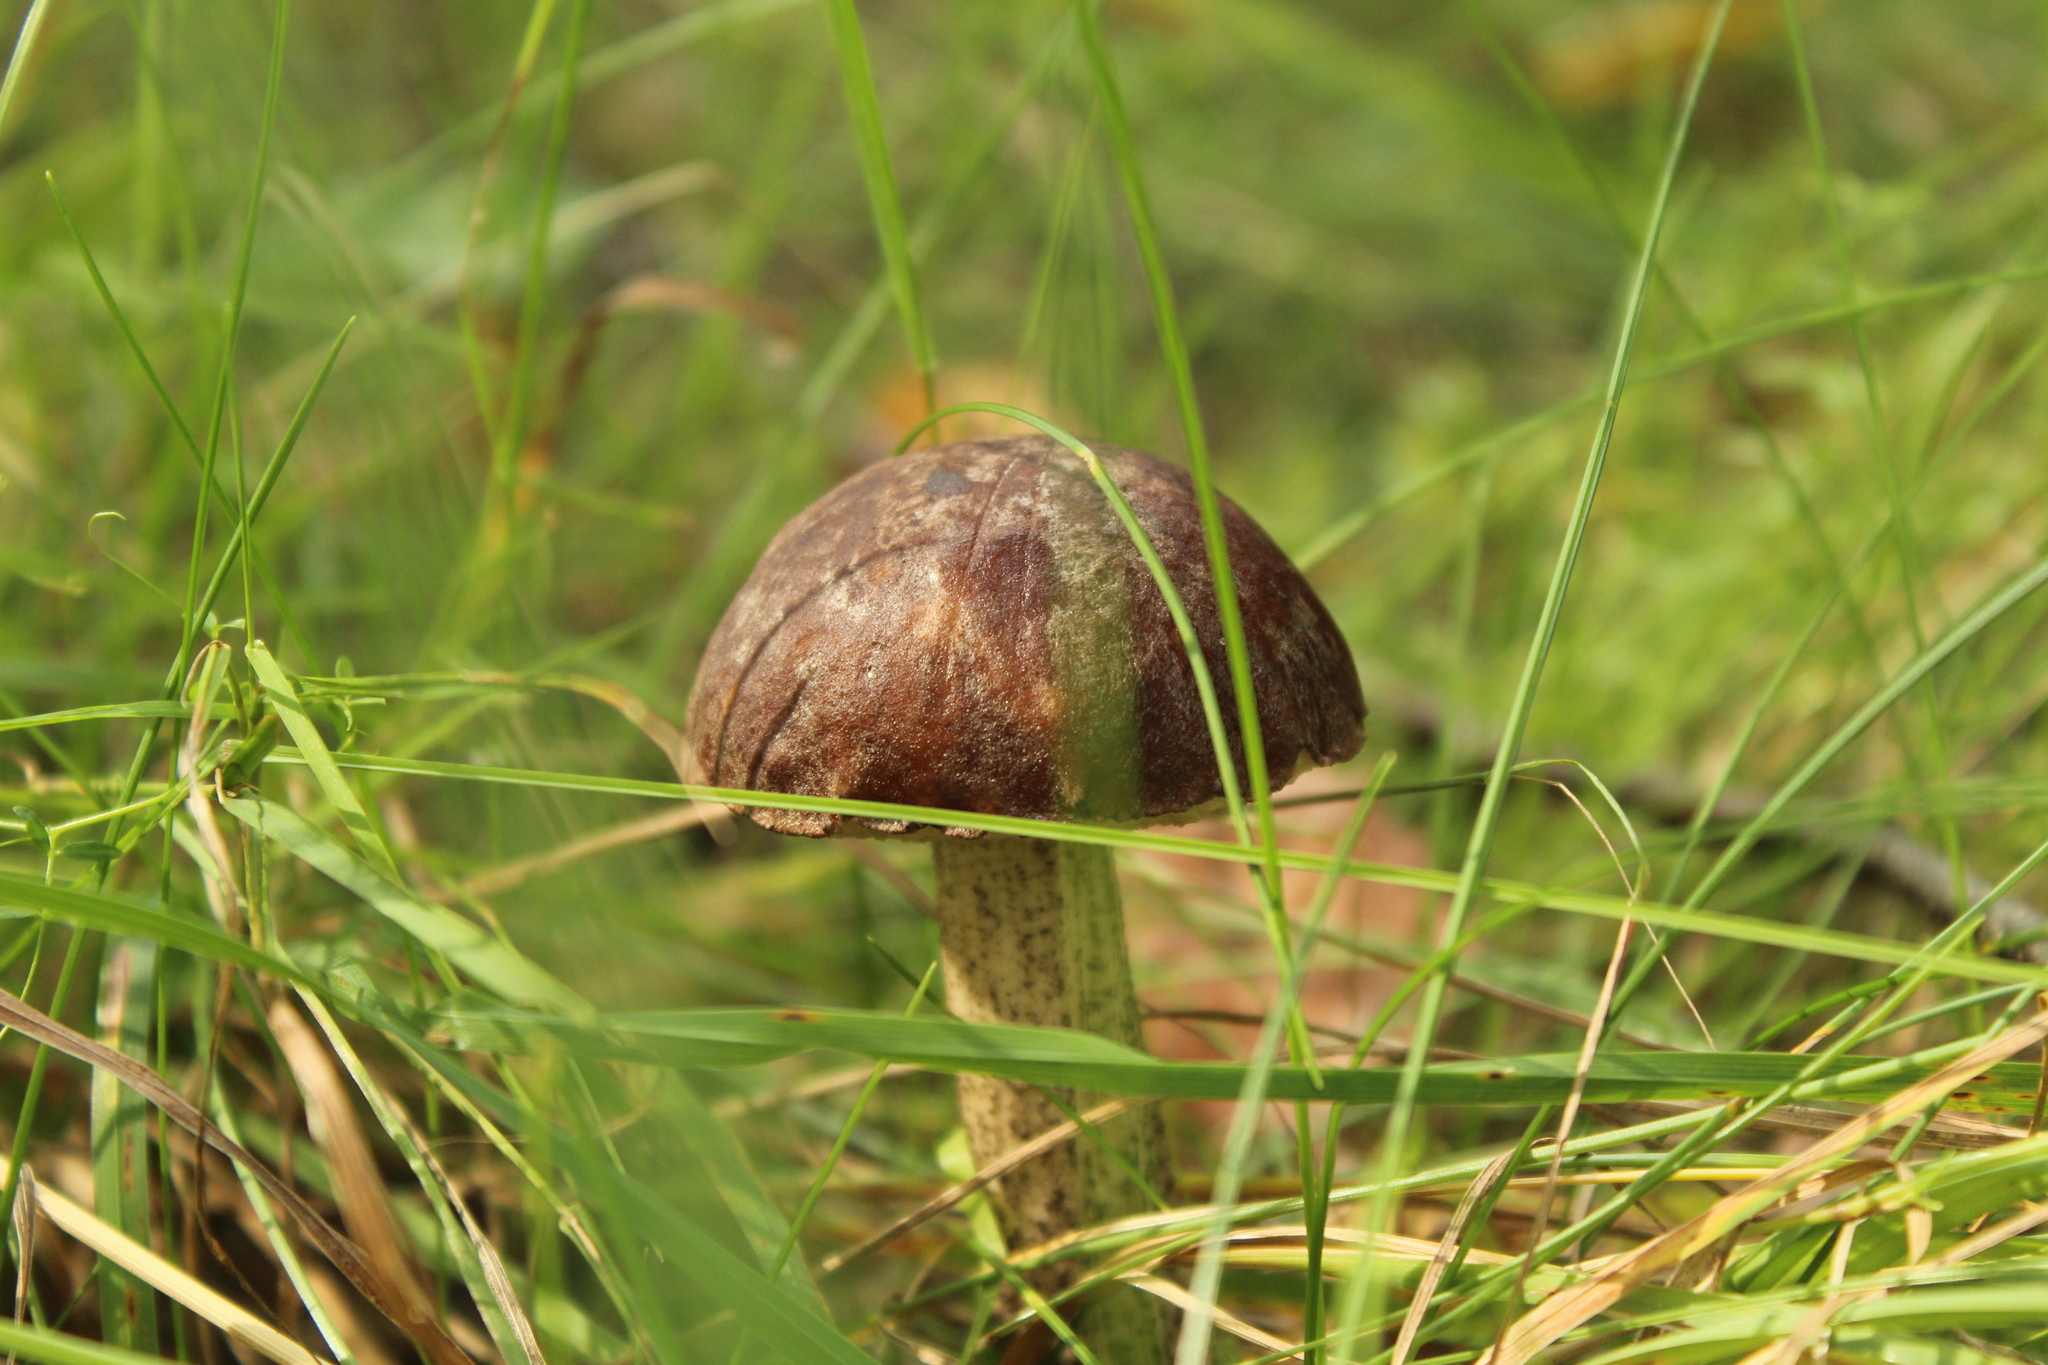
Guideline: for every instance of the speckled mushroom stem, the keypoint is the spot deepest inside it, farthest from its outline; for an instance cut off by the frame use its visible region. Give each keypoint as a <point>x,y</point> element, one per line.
<point>1032,932</point>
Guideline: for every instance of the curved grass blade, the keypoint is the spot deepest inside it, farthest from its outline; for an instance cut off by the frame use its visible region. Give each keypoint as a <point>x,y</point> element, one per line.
<point>115,914</point>
<point>486,958</point>
<point>1479,845</point>
<point>126,710</point>
<point>284,700</point>
<point>138,1260</point>
<point>1739,928</point>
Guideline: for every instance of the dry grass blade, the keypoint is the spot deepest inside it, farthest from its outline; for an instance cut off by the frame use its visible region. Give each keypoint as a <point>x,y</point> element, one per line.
<point>1574,1306</point>
<point>401,1127</point>
<point>1960,1132</point>
<point>145,1265</point>
<point>358,1185</point>
<point>1569,1119</point>
<point>738,1106</point>
<point>424,1331</point>
<point>618,836</point>
<point>995,1170</point>
<point>2027,1219</point>
<point>900,881</point>
<point>1448,1246</point>
<point>25,1243</point>
<point>1236,1326</point>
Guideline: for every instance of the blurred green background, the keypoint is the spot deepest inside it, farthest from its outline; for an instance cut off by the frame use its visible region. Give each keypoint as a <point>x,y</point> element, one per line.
<point>1399,234</point>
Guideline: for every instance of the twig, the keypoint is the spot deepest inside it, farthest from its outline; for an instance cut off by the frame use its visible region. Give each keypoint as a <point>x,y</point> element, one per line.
<point>995,1170</point>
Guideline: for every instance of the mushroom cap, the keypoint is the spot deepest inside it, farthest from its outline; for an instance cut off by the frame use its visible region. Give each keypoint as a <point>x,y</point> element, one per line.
<point>970,627</point>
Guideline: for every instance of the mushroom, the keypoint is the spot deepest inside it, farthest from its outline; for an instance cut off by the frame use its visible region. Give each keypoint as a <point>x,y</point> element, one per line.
<point>970,628</point>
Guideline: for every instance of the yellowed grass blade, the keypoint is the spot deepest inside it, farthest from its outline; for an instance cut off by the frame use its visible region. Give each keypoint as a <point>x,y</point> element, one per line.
<point>1411,1323</point>
<point>1237,1327</point>
<point>358,1184</point>
<point>1580,1303</point>
<point>369,1278</point>
<point>995,1170</point>
<point>167,1279</point>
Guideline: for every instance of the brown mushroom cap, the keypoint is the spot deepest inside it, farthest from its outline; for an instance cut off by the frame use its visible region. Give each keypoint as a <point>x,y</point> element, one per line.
<point>971,628</point>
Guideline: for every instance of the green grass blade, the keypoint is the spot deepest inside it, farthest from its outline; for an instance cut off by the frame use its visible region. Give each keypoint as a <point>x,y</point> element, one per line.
<point>1394,1141</point>
<point>17,61</point>
<point>126,710</point>
<point>486,958</point>
<point>725,1037</point>
<point>512,431</point>
<point>864,106</point>
<point>120,1139</point>
<point>284,700</point>
<point>1737,928</point>
<point>1173,344</point>
<point>1923,663</point>
<point>120,915</point>
<point>47,1347</point>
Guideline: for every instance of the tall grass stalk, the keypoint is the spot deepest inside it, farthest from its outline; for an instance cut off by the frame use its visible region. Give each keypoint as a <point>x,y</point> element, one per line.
<point>1361,1295</point>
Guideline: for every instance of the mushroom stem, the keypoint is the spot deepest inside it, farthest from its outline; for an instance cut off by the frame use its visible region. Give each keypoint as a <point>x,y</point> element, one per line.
<point>1032,932</point>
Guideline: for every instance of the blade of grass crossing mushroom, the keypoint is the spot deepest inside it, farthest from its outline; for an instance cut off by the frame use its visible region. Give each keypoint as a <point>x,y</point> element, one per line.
<point>1360,1297</point>
<point>1738,928</point>
<point>1173,347</point>
<point>1205,684</point>
<point>884,202</point>
<point>1110,107</point>
<point>1193,1344</point>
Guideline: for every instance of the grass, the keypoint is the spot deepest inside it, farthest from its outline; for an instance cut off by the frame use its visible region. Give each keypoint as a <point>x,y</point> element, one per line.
<point>1659,420</point>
